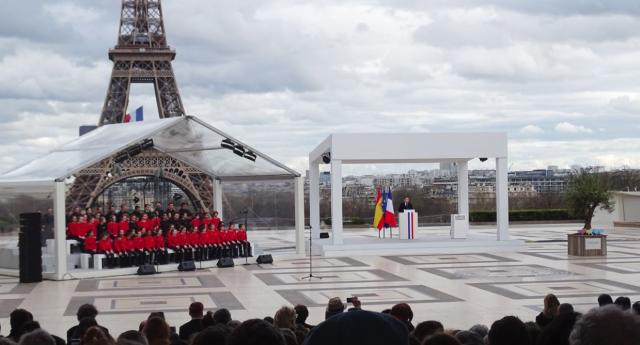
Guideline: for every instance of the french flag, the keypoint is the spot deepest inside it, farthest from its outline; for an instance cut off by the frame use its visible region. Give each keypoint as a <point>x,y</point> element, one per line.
<point>389,213</point>
<point>139,116</point>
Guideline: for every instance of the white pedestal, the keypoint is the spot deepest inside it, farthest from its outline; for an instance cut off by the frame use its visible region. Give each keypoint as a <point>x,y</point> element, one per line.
<point>84,260</point>
<point>408,224</point>
<point>459,226</point>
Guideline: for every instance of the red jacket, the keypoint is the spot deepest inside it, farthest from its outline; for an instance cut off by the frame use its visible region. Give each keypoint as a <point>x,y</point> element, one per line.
<point>149,242</point>
<point>195,222</point>
<point>215,237</point>
<point>242,235</point>
<point>82,229</point>
<point>183,239</point>
<point>90,244</point>
<point>123,225</point>
<point>138,243</point>
<point>73,229</point>
<point>193,238</point>
<point>232,235</point>
<point>105,245</point>
<point>159,241</point>
<point>173,240</point>
<point>121,245</point>
<point>216,221</point>
<point>113,228</point>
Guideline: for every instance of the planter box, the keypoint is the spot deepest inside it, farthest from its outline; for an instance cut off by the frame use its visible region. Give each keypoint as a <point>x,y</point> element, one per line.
<point>584,245</point>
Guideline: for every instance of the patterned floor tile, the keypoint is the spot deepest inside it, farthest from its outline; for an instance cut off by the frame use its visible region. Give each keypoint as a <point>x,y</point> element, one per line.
<point>565,288</point>
<point>448,259</point>
<point>501,272</point>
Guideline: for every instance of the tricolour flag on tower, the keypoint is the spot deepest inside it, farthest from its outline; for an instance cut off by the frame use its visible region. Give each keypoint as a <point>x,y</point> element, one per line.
<point>139,114</point>
<point>378,214</point>
<point>127,118</point>
<point>389,214</point>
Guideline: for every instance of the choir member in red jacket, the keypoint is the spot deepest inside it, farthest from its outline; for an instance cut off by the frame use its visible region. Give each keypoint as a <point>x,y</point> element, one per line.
<point>121,248</point>
<point>138,248</point>
<point>105,246</point>
<point>149,246</point>
<point>90,244</point>
<point>113,227</point>
<point>215,220</point>
<point>245,245</point>
<point>160,247</point>
<point>173,242</point>
<point>73,228</point>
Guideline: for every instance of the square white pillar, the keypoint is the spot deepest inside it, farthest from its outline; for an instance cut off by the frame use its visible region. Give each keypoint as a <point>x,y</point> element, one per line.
<point>59,216</point>
<point>463,188</point>
<point>336,201</point>
<point>502,198</point>
<point>314,198</point>
<point>298,183</point>
<point>217,197</point>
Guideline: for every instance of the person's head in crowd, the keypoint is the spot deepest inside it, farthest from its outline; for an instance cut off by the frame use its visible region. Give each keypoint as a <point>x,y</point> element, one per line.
<point>608,325</point>
<point>207,320</point>
<point>233,324</point>
<point>508,331</point>
<point>222,316</point>
<point>83,326</point>
<point>289,336</point>
<point>30,326</point>
<point>426,329</point>
<point>285,317</point>
<point>565,308</point>
<point>480,330</point>
<point>157,331</point>
<point>334,307</point>
<point>359,327</point>
<point>268,319</point>
<point>133,337</point>
<point>196,310</point>
<point>469,338</point>
<point>604,299</point>
<point>217,334</point>
<point>302,313</point>
<point>533,330</point>
<point>623,303</point>
<point>17,319</point>
<point>557,332</point>
<point>37,337</point>
<point>95,336</point>
<point>636,308</point>
<point>441,339</point>
<point>256,332</point>
<point>301,333</point>
<point>551,304</point>
<point>403,312</point>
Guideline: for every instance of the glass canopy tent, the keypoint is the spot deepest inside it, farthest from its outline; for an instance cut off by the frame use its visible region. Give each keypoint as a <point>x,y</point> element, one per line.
<point>187,139</point>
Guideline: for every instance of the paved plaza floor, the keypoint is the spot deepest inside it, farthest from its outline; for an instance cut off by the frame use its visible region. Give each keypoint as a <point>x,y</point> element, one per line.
<point>458,289</point>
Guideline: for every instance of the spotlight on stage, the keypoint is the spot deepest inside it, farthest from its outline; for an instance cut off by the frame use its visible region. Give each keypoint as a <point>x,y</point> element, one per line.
<point>326,157</point>
<point>228,144</point>
<point>483,159</point>
<point>121,157</point>
<point>147,144</point>
<point>250,155</point>
<point>239,150</point>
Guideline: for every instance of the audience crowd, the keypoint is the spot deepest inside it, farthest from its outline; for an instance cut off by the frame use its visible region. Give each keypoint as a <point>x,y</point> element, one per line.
<point>612,323</point>
<point>154,235</point>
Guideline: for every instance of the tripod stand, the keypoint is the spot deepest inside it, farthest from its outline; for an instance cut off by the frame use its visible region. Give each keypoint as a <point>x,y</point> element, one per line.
<point>310,276</point>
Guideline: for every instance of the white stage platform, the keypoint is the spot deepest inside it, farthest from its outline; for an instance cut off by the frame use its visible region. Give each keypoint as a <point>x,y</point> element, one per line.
<point>433,244</point>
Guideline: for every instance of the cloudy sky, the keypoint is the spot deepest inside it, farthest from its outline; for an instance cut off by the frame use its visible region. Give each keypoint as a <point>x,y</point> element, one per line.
<point>561,77</point>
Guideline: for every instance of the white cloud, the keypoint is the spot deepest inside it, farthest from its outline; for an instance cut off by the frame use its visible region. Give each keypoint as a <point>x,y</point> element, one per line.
<point>530,129</point>
<point>282,75</point>
<point>567,127</point>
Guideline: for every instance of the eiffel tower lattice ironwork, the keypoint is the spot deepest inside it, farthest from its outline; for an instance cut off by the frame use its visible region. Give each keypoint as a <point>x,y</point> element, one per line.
<point>141,56</point>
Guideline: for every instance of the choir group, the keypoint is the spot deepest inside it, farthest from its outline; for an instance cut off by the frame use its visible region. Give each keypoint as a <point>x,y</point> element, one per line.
<point>156,236</point>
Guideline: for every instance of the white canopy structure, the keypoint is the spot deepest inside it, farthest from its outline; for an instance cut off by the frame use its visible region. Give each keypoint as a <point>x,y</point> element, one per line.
<point>186,139</point>
<point>370,148</point>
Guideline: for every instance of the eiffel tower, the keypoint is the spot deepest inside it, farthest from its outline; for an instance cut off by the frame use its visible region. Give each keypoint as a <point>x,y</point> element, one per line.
<point>141,56</point>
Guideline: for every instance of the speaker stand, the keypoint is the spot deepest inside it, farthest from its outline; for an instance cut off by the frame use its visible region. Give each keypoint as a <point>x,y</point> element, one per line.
<point>311,277</point>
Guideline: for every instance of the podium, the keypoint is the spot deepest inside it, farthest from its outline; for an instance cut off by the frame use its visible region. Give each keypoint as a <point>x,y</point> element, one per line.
<point>459,226</point>
<point>408,224</point>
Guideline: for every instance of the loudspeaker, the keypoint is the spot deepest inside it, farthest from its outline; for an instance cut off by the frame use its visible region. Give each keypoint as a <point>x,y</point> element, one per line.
<point>324,235</point>
<point>225,262</point>
<point>187,266</point>
<point>30,250</point>
<point>265,259</point>
<point>146,270</point>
